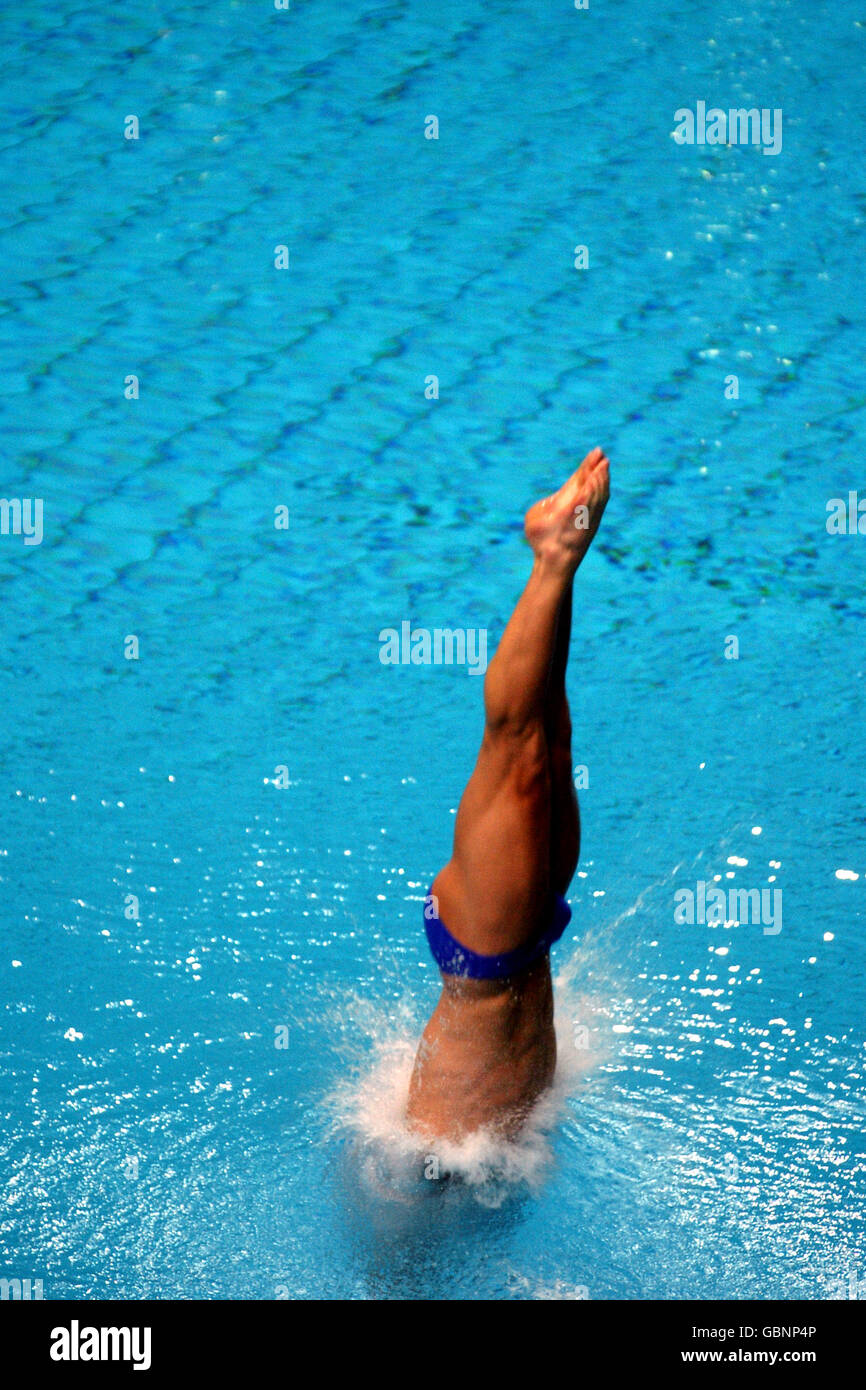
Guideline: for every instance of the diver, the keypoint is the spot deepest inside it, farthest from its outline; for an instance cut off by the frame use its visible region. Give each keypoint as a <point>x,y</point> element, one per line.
<point>495,909</point>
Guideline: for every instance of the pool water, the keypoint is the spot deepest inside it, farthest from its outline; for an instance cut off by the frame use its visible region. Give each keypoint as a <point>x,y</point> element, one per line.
<point>213,857</point>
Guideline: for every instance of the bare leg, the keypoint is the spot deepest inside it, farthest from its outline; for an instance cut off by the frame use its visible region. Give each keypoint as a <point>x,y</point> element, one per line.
<point>565,816</point>
<point>516,835</point>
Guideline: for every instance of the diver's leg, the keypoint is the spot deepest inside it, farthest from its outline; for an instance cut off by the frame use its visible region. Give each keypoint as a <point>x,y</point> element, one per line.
<point>496,891</point>
<point>564,813</point>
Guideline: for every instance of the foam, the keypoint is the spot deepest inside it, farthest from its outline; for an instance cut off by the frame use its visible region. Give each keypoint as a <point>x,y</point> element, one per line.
<point>367,1108</point>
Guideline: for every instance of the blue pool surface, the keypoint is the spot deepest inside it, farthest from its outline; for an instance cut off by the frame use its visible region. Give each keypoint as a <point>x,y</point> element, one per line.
<point>155,1142</point>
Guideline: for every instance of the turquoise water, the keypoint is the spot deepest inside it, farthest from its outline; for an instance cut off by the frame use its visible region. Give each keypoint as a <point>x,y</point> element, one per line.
<point>706,1139</point>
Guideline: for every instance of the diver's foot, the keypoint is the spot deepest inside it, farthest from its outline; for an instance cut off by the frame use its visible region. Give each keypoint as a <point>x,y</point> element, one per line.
<point>560,528</point>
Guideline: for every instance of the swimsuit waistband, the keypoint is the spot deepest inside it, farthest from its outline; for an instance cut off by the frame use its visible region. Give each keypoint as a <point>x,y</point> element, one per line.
<point>456,959</point>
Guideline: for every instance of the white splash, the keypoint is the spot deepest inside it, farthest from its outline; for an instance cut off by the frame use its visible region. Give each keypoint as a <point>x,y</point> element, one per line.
<point>369,1108</point>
